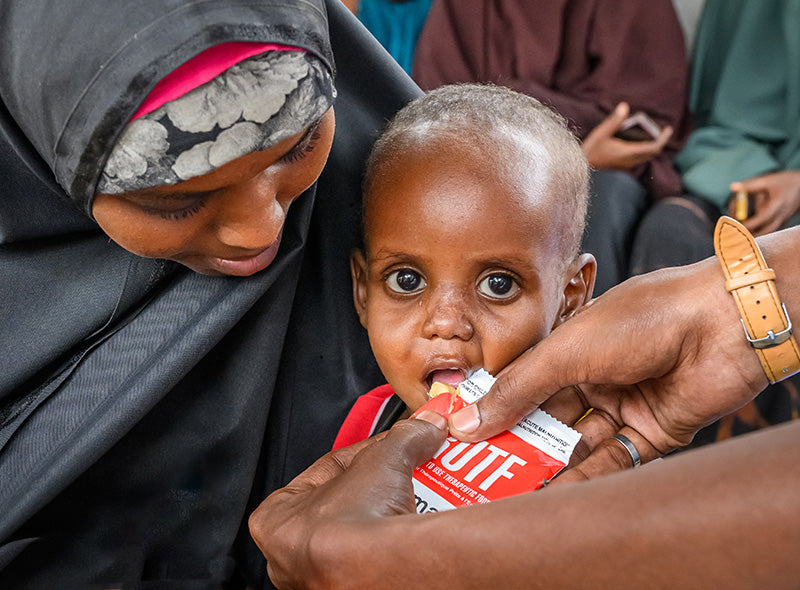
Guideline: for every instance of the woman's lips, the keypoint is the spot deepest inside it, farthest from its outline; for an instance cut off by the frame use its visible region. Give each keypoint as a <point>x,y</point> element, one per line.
<point>244,267</point>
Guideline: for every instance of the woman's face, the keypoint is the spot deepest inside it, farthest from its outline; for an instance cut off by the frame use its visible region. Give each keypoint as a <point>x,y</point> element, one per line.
<point>225,222</point>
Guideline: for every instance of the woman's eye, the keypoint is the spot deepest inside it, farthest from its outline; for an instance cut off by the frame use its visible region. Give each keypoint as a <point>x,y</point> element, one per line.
<point>306,144</point>
<point>177,214</point>
<point>405,281</point>
<point>498,286</point>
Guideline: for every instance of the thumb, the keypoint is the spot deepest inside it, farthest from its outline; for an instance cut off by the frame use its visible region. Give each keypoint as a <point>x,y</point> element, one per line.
<point>612,122</point>
<point>521,387</point>
<point>410,442</point>
<point>751,185</point>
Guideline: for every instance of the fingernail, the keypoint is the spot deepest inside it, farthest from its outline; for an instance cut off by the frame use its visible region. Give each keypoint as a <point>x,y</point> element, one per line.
<point>621,108</point>
<point>432,418</point>
<point>466,420</point>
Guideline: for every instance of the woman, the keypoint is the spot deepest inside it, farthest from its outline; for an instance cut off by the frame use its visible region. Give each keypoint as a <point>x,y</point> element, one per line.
<point>146,408</point>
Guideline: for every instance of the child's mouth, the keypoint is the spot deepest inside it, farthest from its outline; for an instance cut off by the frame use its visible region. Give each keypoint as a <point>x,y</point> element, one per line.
<point>449,376</point>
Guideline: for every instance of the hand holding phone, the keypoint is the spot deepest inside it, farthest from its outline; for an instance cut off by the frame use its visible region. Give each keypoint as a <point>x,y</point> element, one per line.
<point>638,127</point>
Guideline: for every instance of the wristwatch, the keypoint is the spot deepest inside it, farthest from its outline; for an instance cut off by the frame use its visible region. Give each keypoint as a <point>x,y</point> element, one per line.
<point>766,323</point>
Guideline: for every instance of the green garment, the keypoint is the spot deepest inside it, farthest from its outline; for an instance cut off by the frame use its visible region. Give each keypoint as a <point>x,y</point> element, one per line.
<point>745,95</point>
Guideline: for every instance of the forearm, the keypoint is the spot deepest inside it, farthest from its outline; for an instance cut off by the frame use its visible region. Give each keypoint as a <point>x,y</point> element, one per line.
<point>722,517</point>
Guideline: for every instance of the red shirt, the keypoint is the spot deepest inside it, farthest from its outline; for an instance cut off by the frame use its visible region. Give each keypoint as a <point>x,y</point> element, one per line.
<point>360,422</point>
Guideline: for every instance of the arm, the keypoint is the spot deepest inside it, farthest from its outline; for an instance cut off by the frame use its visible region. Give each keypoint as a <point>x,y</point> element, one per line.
<point>721,517</point>
<point>640,353</point>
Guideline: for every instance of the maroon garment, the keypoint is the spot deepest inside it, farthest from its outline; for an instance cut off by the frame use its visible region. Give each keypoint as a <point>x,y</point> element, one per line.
<point>581,57</point>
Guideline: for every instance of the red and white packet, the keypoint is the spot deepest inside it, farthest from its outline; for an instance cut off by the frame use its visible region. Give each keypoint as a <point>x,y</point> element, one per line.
<point>516,461</point>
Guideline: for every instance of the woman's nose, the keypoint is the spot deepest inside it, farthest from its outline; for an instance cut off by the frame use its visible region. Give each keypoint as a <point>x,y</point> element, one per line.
<point>447,316</point>
<point>250,220</point>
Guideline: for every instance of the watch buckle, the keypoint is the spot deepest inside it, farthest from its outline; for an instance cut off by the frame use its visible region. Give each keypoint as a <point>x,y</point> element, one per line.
<point>771,339</point>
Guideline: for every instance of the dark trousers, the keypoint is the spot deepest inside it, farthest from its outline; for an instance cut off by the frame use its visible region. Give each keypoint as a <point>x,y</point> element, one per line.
<point>674,232</point>
<point>616,204</point>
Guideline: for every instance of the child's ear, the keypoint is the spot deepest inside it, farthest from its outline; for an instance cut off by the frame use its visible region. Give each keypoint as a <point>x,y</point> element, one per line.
<point>358,272</point>
<point>579,287</point>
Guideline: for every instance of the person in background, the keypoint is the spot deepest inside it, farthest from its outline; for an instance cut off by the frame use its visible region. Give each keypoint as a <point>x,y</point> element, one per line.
<point>396,24</point>
<point>474,204</point>
<point>744,91</point>
<point>595,62</point>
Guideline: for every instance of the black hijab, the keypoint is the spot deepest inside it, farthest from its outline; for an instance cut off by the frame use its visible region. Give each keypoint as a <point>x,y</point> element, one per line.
<point>145,409</point>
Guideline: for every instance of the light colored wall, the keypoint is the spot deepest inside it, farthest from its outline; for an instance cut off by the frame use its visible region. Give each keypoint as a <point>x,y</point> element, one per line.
<point>688,13</point>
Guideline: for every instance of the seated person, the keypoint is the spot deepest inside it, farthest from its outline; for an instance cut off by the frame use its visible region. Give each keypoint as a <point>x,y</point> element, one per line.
<point>474,205</point>
<point>589,60</point>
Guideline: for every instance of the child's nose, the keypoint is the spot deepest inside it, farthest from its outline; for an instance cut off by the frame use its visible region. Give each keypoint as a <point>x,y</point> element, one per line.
<point>448,316</point>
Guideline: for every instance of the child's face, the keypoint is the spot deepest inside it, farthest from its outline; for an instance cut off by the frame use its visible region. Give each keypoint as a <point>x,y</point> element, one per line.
<point>462,270</point>
<point>226,222</point>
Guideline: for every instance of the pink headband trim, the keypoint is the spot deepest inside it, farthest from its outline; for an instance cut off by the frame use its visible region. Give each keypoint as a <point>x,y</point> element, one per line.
<point>203,67</point>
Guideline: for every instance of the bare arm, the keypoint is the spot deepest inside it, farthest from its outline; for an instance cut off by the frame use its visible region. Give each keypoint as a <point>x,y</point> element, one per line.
<point>659,357</point>
<point>725,516</point>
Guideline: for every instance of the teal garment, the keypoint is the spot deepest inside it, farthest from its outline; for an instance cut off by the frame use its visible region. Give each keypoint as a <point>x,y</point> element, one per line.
<point>745,95</point>
<point>396,24</point>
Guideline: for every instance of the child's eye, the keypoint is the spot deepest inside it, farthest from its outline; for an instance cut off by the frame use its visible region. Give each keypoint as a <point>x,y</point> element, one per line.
<point>498,286</point>
<point>405,281</point>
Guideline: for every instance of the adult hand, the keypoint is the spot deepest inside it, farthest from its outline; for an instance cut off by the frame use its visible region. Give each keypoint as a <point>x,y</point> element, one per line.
<point>657,358</point>
<point>776,197</point>
<point>606,152</point>
<point>301,528</point>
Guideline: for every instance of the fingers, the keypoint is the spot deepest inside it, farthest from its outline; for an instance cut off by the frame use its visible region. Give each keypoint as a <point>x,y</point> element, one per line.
<point>567,405</point>
<point>639,152</point>
<point>576,352</point>
<point>595,144</point>
<point>413,441</point>
<point>329,466</point>
<point>662,139</point>
<point>766,219</point>
<point>611,124</point>
<point>609,454</point>
<point>520,388</point>
<point>751,185</point>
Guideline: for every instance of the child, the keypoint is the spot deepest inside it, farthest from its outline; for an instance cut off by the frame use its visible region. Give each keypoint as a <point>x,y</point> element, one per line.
<point>474,206</point>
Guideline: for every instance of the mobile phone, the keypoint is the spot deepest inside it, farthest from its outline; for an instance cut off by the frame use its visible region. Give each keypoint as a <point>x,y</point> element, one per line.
<point>638,127</point>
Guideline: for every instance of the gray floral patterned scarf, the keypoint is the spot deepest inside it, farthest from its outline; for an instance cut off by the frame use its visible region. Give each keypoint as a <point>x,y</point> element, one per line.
<point>249,107</point>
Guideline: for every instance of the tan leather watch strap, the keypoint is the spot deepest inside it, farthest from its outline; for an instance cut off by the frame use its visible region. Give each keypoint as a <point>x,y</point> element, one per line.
<point>751,282</point>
